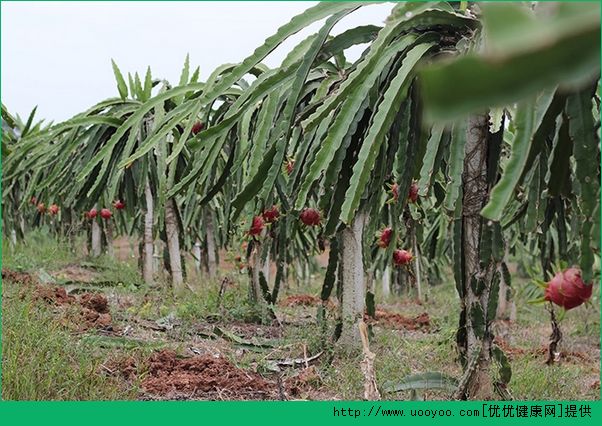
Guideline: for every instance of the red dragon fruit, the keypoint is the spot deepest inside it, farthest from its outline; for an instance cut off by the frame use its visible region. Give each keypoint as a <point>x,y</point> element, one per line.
<point>119,205</point>
<point>384,237</point>
<point>271,215</point>
<point>106,214</point>
<point>567,289</point>
<point>310,217</point>
<point>413,193</point>
<point>197,127</point>
<point>402,257</point>
<point>53,209</point>
<point>91,214</point>
<point>257,226</point>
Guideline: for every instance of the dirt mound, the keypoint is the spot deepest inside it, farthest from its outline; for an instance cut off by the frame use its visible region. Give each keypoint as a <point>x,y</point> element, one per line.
<point>301,300</point>
<point>95,301</point>
<point>55,295</point>
<point>399,322</point>
<point>93,309</point>
<point>203,377</point>
<point>10,276</point>
<point>305,300</point>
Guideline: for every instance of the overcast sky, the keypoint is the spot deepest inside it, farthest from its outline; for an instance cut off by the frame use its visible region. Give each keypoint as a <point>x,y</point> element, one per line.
<point>57,55</point>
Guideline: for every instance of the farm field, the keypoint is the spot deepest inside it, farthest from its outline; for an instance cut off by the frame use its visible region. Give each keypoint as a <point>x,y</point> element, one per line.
<point>405,208</point>
<point>52,350</point>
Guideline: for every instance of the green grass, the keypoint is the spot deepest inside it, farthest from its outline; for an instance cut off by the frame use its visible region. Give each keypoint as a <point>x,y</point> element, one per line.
<point>40,250</point>
<point>41,360</point>
<point>533,380</point>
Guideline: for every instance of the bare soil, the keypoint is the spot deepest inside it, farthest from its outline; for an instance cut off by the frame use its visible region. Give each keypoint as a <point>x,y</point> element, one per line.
<point>92,309</point>
<point>393,320</point>
<point>202,377</point>
<point>10,276</point>
<point>301,300</point>
<point>305,300</point>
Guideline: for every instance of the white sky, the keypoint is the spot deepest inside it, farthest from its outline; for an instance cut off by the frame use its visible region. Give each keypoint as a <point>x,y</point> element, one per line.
<point>57,54</point>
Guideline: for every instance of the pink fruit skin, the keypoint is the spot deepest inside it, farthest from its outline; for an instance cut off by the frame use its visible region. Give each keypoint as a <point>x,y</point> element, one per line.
<point>567,289</point>
<point>256,226</point>
<point>106,213</point>
<point>310,217</point>
<point>413,194</point>
<point>271,215</point>
<point>197,127</point>
<point>402,257</point>
<point>384,237</point>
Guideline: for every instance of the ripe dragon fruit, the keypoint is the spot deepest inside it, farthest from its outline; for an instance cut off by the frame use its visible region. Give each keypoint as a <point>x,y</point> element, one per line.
<point>310,217</point>
<point>271,215</point>
<point>53,209</point>
<point>91,214</point>
<point>197,127</point>
<point>41,208</point>
<point>402,257</point>
<point>567,289</point>
<point>119,205</point>
<point>384,237</point>
<point>257,226</point>
<point>413,193</point>
<point>106,214</point>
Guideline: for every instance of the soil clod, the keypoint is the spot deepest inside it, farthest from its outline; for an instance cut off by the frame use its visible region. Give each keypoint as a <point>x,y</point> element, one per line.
<point>397,321</point>
<point>202,377</point>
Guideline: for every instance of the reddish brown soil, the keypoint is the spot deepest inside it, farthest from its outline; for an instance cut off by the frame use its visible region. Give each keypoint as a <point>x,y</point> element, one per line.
<point>305,300</point>
<point>399,322</point>
<point>301,300</point>
<point>10,276</point>
<point>95,301</point>
<point>202,377</point>
<point>54,295</point>
<point>93,308</point>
